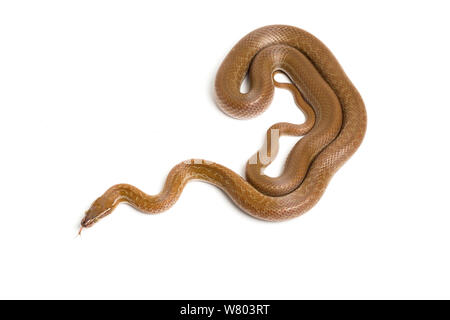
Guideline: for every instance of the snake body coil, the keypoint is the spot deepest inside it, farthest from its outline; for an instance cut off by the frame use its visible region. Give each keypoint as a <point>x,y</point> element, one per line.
<point>333,131</point>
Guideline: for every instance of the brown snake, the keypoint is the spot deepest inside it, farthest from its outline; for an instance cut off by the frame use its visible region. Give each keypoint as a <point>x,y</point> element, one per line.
<point>333,130</point>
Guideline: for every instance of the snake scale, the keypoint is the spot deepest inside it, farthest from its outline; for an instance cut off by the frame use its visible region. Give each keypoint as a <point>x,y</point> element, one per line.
<point>334,128</point>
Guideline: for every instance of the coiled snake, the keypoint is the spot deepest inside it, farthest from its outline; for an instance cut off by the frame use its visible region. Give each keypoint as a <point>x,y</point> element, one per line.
<point>334,129</point>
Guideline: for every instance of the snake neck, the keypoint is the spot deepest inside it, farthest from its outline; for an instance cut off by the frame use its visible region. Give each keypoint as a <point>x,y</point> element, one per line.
<point>178,177</point>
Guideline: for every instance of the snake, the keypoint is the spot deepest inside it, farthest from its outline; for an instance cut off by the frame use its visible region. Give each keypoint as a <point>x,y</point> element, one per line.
<point>334,128</point>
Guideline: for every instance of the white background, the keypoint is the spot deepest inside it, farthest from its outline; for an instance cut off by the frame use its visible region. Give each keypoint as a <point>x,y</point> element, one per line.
<point>93,93</point>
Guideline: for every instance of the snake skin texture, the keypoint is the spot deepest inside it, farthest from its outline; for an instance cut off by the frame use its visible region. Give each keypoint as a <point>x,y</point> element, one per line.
<point>334,129</point>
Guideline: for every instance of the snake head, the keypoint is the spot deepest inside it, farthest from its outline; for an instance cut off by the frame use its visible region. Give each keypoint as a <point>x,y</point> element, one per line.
<point>100,208</point>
